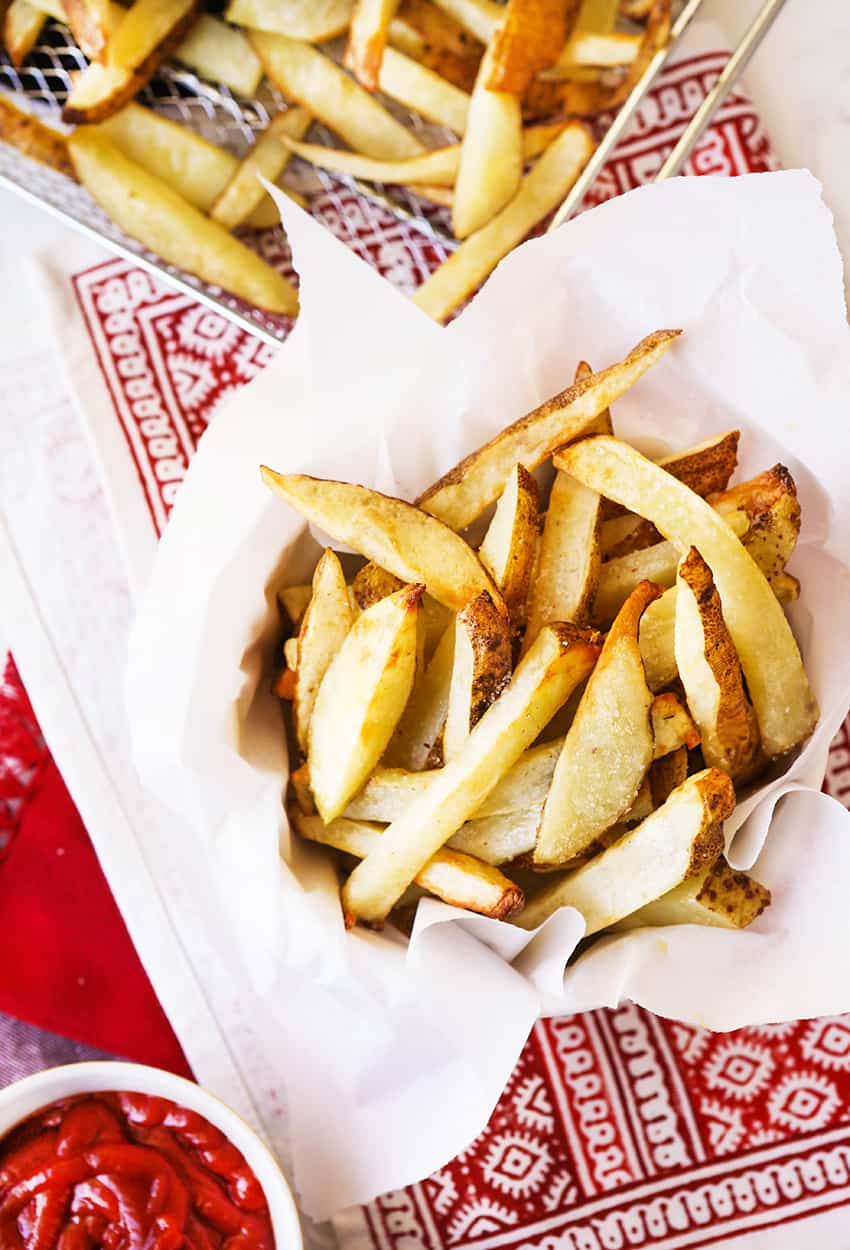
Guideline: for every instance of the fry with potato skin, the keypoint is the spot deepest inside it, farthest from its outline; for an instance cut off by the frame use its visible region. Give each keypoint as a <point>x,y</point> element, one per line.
<point>721,898</point>
<point>529,40</point>
<point>453,876</point>
<point>360,699</point>
<point>90,23</point>
<point>510,544</point>
<point>672,725</point>
<point>39,142</point>
<point>608,747</point>
<point>706,468</point>
<point>710,672</point>
<point>481,669</point>
<point>678,841</point>
<point>398,536</point>
<point>465,491</point>
<point>417,741</point>
<point>324,628</point>
<point>779,688</point>
<point>560,658</point>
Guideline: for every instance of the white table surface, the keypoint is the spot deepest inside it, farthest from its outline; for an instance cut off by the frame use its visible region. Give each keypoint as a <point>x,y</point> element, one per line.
<point>799,80</point>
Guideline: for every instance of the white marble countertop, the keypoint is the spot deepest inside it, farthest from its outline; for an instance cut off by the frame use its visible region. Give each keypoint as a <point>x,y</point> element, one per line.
<point>799,80</point>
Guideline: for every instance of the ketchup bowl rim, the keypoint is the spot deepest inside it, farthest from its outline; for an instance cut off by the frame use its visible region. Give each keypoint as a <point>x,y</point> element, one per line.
<point>32,1093</point>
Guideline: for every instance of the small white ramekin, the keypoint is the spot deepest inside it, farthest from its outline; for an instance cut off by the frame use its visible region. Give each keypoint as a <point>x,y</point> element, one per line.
<point>24,1097</point>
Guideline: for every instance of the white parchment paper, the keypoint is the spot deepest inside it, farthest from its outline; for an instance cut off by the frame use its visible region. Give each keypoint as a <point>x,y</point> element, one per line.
<point>392,1057</point>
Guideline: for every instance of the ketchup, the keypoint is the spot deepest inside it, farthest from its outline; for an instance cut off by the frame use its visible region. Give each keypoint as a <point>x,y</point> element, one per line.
<point>120,1171</point>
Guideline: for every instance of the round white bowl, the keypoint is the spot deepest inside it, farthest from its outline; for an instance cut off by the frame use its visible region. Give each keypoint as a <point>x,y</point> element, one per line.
<point>24,1097</point>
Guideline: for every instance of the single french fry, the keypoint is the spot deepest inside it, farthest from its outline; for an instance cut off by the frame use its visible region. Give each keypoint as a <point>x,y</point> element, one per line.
<point>313,80</point>
<point>498,839</point>
<point>530,38</point>
<point>568,570</point>
<point>465,491</point>
<point>417,740</point>
<point>542,189</point>
<point>678,841</point>
<point>150,211</point>
<point>719,897</point>
<point>710,672</point>
<point>360,699</point>
<point>372,583</point>
<point>267,158</point>
<point>706,468</point>
<point>324,629</point>
<point>560,658</point>
<point>222,54</point>
<point>421,90</point>
<point>311,20</point>
<point>509,547</point>
<point>666,773</point>
<point>481,668</point>
<point>603,51</point>
<point>294,600</point>
<point>29,135</point>
<point>367,39</point>
<point>421,30</point>
<point>456,878</point>
<point>672,725</point>
<point>785,705</point>
<point>396,535</point>
<point>22,25</point>
<point>480,17</point>
<point>608,747</point>
<point>90,22</point>
<point>490,170</point>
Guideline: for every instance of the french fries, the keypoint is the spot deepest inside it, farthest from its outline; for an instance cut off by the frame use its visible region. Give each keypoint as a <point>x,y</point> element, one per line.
<point>705,468</point>
<point>672,725</point>
<point>367,38</point>
<point>417,742</point>
<point>423,91</point>
<point>480,17</point>
<point>710,672</point>
<point>481,668</point>
<point>399,537</point>
<point>311,20</point>
<point>719,897</point>
<point>267,158</point>
<point>39,142</point>
<point>327,621</point>
<point>222,54</point>
<point>462,494</point>
<point>666,774</point>
<point>436,40</point>
<point>294,600</point>
<point>490,169</point>
<point>307,76</point>
<point>678,841</point>
<point>608,748</point>
<point>149,31</point>
<point>567,573</point>
<point>22,25</point>
<point>510,545</point>
<point>560,658</point>
<point>456,878</point>
<point>90,22</point>
<point>360,699</point>
<point>785,706</point>
<point>530,38</point>
<point>150,211</point>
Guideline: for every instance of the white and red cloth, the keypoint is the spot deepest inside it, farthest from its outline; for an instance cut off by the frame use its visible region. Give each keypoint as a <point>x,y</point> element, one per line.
<point>617,1129</point>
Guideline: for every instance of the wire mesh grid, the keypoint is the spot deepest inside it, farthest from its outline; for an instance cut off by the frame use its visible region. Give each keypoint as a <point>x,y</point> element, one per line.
<point>367,217</point>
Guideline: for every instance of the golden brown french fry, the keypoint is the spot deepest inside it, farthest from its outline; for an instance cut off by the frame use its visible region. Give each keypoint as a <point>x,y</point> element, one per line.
<point>710,672</point>
<point>560,658</point>
<point>719,897</point>
<point>530,38</point>
<point>481,668</point>
<point>456,878</point>
<point>311,79</point>
<point>608,748</point>
<point>636,10</point>
<point>599,16</point>
<point>147,34</point>
<point>436,40</point>
<point>367,39</point>
<point>360,699</point>
<point>666,773</point>
<point>148,210</point>
<point>567,574</point>
<point>39,142</point>
<point>22,24</point>
<point>672,725</point>
<point>267,158</point>
<point>444,196</point>
<point>311,20</point>
<point>90,23</point>
<point>706,468</point>
<point>417,741</point>
<point>541,191</point>
<point>372,583</point>
<point>222,54</point>
<point>192,166</point>
<point>678,841</point>
<point>480,17</point>
<point>523,788</point>
<point>785,705</point>
<point>325,626</point>
<point>509,547</point>
<point>294,600</point>
<point>462,494</point>
<point>396,535</point>
<point>586,48</point>
<point>490,170</point>
<point>436,168</point>
<point>770,501</point>
<point>423,91</point>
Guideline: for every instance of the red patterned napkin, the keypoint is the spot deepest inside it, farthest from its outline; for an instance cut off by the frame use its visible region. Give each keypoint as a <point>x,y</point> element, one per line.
<point>617,1128</point>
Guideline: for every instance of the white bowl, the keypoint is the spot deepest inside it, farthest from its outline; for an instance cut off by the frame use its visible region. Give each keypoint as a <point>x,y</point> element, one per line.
<point>24,1097</point>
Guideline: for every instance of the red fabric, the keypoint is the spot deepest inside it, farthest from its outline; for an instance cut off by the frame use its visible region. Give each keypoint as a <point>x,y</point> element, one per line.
<point>68,962</point>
